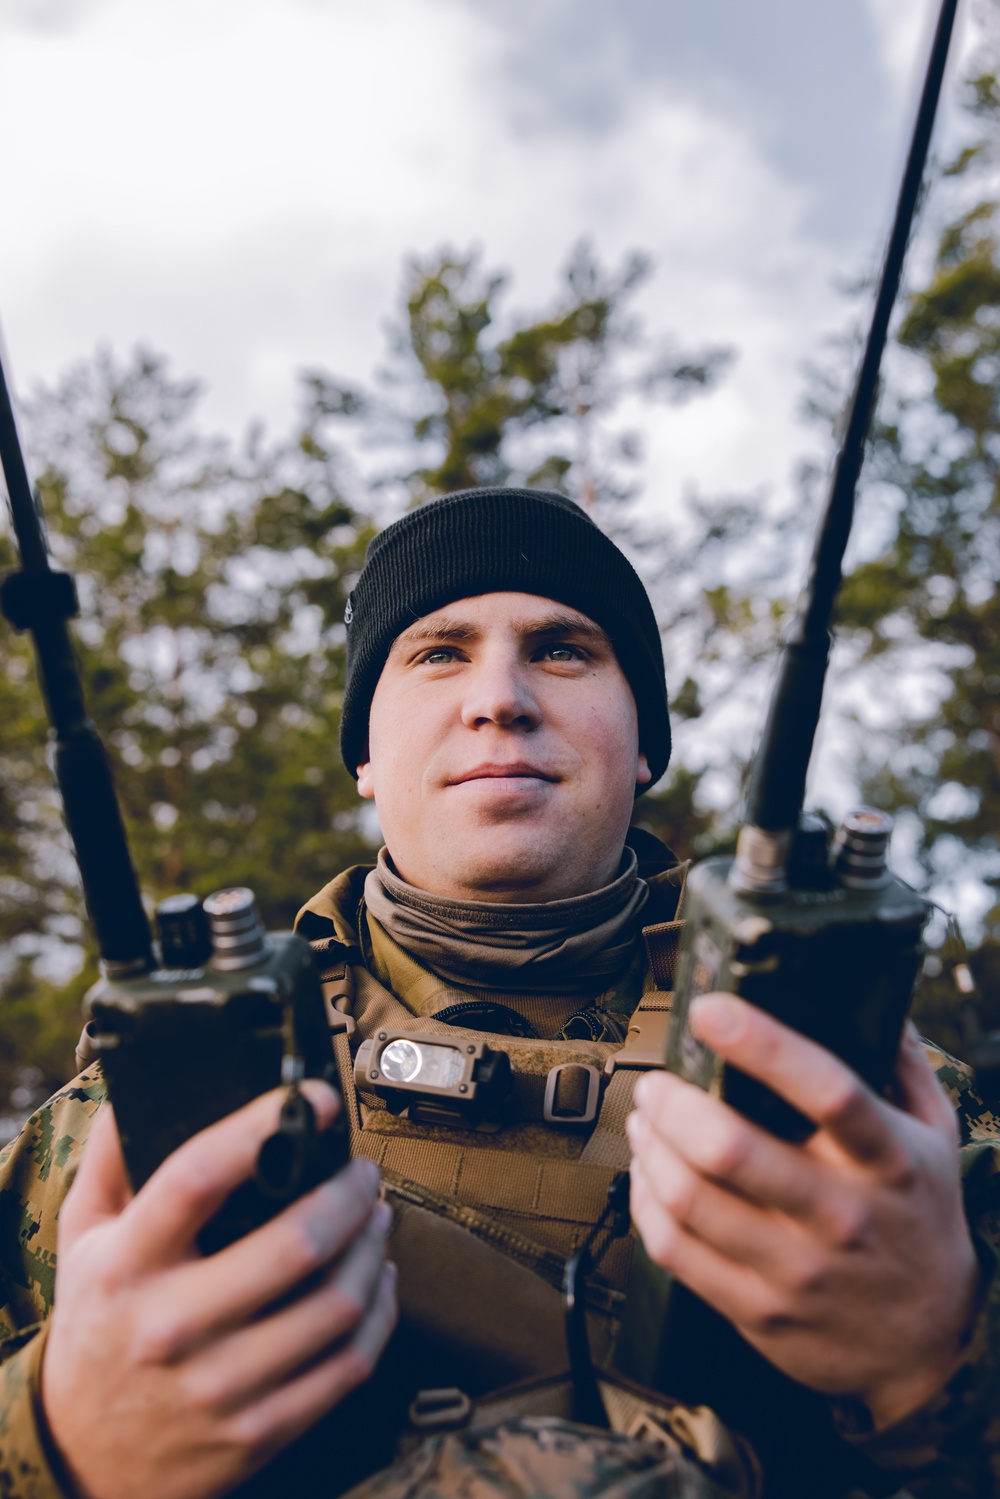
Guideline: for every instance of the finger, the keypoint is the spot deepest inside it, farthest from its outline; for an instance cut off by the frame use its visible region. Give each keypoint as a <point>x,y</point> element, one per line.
<point>283,1415</point>
<point>221,1292</point>
<point>808,1076</point>
<point>720,1143</point>
<point>923,1095</point>
<point>736,1291</point>
<point>101,1189</point>
<point>259,1357</point>
<point>740,1230</point>
<point>192,1184</point>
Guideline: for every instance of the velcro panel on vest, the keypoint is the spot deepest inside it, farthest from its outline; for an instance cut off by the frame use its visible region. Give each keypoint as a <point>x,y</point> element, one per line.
<point>497,1179</point>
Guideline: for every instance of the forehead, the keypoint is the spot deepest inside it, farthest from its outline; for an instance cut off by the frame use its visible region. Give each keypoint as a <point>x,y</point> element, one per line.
<point>524,614</point>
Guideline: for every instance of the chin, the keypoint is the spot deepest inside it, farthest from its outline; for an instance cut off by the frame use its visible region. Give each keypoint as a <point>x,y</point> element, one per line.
<point>507,863</point>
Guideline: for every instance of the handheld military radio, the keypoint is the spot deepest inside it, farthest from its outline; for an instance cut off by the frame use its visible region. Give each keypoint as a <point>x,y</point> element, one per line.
<point>216,1010</point>
<point>819,934</point>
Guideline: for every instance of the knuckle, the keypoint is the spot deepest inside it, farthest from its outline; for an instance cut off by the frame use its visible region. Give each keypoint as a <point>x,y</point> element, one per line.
<point>842,1097</point>
<point>102,1265</point>
<point>724,1149</point>
<point>305,1249</point>
<point>206,1390</point>
<point>345,1312</point>
<point>248,1433</point>
<point>810,1275</point>
<point>771,1316</point>
<point>189,1183</point>
<point>900,1172</point>
<point>678,1193</point>
<point>773,1323</point>
<point>659,1237</point>
<point>356,1365</point>
<point>849,1224</point>
<point>157,1340</point>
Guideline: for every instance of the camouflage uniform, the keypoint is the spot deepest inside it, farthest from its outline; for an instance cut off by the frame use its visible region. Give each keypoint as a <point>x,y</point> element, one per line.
<point>36,1172</point>
<point>951,1447</point>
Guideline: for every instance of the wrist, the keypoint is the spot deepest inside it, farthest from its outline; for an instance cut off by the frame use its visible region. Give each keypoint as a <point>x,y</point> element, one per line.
<point>898,1396</point>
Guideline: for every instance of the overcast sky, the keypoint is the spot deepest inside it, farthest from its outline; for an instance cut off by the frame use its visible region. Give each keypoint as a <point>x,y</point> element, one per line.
<point>237,182</point>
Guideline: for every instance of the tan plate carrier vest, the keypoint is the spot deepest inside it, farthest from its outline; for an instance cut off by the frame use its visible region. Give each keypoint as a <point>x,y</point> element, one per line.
<point>484,1222</point>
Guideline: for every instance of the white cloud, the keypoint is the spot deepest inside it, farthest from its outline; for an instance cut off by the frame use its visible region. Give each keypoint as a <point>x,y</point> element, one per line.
<point>239,182</point>
<point>903,28</point>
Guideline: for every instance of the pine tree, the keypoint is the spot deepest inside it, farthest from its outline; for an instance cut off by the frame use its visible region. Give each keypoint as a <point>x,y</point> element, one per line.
<point>211,645</point>
<point>927,607</point>
<point>213,584</point>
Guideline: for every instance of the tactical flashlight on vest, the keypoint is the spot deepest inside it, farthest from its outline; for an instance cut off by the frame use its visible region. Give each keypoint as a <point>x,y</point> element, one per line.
<point>465,1084</point>
<point>216,1010</point>
<point>818,933</point>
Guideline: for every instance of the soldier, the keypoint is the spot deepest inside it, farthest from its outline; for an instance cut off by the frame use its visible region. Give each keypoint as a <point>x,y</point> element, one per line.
<point>505,703</point>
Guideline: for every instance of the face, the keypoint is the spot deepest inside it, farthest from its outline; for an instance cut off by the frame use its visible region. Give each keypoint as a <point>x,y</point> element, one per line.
<point>503,751</point>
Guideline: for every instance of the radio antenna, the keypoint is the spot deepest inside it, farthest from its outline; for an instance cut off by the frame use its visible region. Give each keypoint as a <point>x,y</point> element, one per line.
<point>41,600</point>
<point>778,778</point>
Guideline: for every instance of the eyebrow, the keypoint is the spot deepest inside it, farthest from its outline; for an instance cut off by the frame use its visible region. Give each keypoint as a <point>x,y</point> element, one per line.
<point>541,628</point>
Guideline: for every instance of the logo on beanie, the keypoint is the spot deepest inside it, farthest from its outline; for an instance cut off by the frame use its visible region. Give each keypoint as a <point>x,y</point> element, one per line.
<point>348,611</point>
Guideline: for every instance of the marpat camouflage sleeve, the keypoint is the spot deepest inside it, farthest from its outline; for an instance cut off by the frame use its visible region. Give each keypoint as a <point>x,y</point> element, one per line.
<point>950,1448</point>
<point>36,1171</point>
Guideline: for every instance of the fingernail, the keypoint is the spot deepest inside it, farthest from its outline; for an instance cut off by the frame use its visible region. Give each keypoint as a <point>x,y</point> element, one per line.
<point>717,1017</point>
<point>382,1217</point>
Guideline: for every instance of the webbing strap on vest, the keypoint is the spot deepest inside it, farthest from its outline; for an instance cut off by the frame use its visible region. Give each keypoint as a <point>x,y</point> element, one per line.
<point>345,1074</point>
<point>663,945</point>
<point>645,1047</point>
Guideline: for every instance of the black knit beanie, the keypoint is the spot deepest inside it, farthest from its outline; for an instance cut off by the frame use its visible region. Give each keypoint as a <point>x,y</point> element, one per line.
<point>500,541</point>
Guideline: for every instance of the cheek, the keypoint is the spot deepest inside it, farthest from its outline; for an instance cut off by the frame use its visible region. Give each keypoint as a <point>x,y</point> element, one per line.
<point>615,739</point>
<point>614,733</point>
<point>403,730</point>
<point>391,767</point>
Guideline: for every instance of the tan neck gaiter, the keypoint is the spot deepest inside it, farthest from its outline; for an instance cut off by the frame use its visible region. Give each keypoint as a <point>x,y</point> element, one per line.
<point>554,947</point>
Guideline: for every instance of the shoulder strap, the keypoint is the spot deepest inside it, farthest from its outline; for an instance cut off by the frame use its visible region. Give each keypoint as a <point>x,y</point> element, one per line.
<point>645,1048</point>
<point>645,1045</point>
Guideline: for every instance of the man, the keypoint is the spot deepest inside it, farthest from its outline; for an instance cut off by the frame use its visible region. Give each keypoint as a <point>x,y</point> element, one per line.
<point>505,703</point>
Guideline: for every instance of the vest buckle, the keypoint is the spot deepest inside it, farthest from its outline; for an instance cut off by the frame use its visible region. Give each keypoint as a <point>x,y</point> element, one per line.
<point>646,1043</point>
<point>565,1101</point>
<point>440,1410</point>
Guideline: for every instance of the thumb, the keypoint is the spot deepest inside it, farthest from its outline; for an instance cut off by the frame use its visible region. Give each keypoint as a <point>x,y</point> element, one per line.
<point>101,1190</point>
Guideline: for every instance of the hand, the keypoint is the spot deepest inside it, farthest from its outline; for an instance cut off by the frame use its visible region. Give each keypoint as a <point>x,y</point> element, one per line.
<point>175,1376</point>
<point>845,1260</point>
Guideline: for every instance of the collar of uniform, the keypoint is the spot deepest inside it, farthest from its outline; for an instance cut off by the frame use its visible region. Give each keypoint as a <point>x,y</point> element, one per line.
<point>334,911</point>
<point>424,993</point>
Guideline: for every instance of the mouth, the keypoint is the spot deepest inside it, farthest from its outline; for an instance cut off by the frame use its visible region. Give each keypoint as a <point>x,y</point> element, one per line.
<point>516,771</point>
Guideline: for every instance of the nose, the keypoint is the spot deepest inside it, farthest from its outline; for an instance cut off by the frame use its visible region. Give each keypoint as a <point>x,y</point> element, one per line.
<point>498,691</point>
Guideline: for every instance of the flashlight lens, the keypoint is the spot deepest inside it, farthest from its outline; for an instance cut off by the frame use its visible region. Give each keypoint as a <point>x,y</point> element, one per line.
<point>436,1066</point>
<point>400,1062</point>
